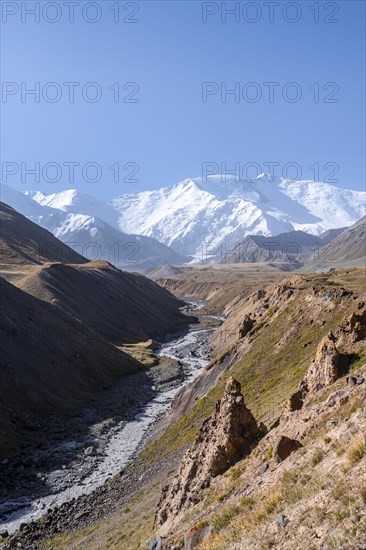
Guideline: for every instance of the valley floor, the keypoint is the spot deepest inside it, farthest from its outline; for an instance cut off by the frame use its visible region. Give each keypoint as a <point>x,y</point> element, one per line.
<point>314,498</point>
<point>97,444</point>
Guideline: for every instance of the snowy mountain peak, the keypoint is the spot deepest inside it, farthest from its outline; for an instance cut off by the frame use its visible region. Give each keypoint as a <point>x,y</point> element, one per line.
<point>217,212</point>
<point>63,200</point>
<point>73,201</point>
<point>73,218</point>
<point>200,217</point>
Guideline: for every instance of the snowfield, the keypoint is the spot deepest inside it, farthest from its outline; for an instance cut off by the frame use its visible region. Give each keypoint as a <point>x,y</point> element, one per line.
<point>196,218</point>
<point>199,218</point>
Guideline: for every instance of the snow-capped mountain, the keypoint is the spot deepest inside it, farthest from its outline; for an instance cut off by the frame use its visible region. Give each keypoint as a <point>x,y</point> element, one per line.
<point>67,216</point>
<point>23,203</point>
<point>207,218</point>
<point>97,239</point>
<point>203,219</point>
<point>75,202</point>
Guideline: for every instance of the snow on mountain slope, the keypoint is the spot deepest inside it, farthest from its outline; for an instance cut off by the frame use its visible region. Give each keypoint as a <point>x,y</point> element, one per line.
<point>22,203</point>
<point>207,218</point>
<point>204,219</point>
<point>73,201</point>
<point>46,217</point>
<point>88,233</point>
<point>99,240</point>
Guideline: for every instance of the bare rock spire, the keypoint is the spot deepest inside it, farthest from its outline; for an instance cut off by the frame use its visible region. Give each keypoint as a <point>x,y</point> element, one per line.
<point>224,438</point>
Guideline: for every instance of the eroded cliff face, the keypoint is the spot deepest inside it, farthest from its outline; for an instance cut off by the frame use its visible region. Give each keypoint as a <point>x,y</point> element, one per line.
<point>275,332</point>
<point>325,367</point>
<point>224,438</point>
<point>326,390</point>
<point>333,357</point>
<point>294,467</point>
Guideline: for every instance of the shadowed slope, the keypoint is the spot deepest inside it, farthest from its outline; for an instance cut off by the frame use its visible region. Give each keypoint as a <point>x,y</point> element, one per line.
<point>50,363</point>
<point>123,307</point>
<point>23,241</point>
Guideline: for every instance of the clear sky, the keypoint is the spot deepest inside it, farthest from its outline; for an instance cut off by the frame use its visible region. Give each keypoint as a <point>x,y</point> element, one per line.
<point>167,123</point>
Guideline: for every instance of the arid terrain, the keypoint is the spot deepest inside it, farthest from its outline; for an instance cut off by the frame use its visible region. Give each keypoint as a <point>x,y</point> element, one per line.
<point>260,500</point>
<point>263,447</point>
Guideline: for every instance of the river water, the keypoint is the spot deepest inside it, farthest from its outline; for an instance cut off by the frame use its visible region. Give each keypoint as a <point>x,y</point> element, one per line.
<point>124,440</point>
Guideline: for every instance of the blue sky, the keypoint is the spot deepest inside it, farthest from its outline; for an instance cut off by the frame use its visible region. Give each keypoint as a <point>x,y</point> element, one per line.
<point>169,132</point>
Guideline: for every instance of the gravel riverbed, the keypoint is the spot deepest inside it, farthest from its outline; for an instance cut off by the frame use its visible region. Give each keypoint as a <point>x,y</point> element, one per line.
<point>100,442</point>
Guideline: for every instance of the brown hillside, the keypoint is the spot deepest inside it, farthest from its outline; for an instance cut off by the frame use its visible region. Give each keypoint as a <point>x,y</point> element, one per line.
<point>122,307</point>
<point>303,483</point>
<point>50,363</point>
<point>346,250</point>
<point>23,241</point>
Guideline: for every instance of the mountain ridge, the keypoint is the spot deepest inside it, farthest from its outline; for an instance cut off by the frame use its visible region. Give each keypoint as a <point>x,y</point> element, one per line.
<point>204,217</point>
<point>79,226</point>
<point>200,218</point>
<point>117,305</point>
<point>23,241</point>
<point>347,249</point>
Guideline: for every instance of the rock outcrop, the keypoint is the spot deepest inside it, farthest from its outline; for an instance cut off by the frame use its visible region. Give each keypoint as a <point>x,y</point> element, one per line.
<point>284,446</point>
<point>295,402</point>
<point>246,326</point>
<point>223,439</point>
<point>195,536</point>
<point>329,363</point>
<point>353,328</point>
<point>325,368</point>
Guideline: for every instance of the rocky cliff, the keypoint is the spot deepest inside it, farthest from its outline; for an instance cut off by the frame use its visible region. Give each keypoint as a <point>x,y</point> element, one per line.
<point>224,438</point>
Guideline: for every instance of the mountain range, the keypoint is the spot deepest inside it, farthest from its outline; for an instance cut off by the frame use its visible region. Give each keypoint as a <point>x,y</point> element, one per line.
<point>207,219</point>
<point>198,219</point>
<point>289,356</point>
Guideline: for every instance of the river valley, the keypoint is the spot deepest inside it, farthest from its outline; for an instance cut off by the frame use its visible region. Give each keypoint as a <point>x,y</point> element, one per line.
<point>105,437</point>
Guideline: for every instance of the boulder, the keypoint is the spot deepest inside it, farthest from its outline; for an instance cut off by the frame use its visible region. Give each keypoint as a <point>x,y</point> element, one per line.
<point>353,328</point>
<point>359,379</point>
<point>195,536</point>
<point>260,294</point>
<point>283,447</point>
<point>282,521</point>
<point>262,468</point>
<point>355,380</point>
<point>154,544</point>
<point>246,326</point>
<point>224,438</point>
<point>295,402</point>
<point>91,451</point>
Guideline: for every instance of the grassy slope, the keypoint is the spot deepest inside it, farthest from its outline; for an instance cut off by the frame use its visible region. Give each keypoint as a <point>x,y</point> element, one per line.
<point>269,375</point>
<point>269,371</point>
